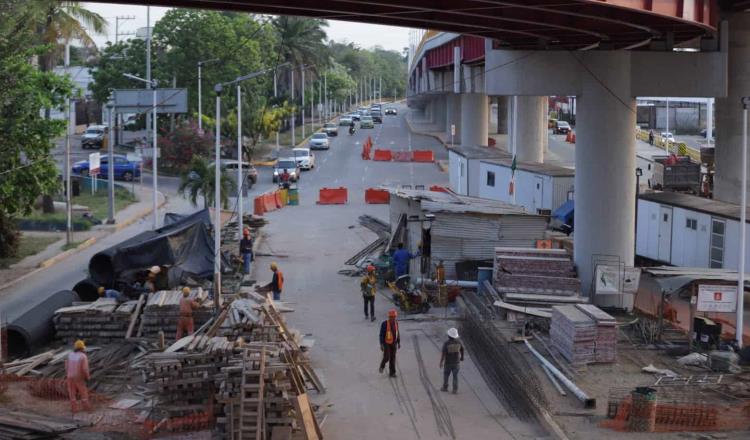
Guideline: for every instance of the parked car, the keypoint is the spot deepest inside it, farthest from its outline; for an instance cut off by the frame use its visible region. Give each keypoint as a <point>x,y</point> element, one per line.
<point>355,116</point>
<point>232,165</point>
<point>561,127</point>
<point>93,137</point>
<point>304,157</point>
<point>289,164</point>
<point>320,141</point>
<point>377,116</point>
<point>345,121</point>
<point>366,122</point>
<point>668,136</point>
<point>391,111</point>
<point>124,169</point>
<point>331,129</point>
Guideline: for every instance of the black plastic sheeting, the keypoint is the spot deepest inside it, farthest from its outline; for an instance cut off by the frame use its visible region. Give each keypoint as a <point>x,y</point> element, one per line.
<point>204,215</point>
<point>185,246</point>
<point>34,328</point>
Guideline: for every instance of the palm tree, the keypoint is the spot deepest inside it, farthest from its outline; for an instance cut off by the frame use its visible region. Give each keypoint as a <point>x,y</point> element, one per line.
<point>199,180</point>
<point>63,21</point>
<point>302,40</point>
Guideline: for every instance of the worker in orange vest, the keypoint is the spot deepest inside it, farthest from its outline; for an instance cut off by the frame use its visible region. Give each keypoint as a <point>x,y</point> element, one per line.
<point>77,373</point>
<point>276,285</point>
<point>390,341</point>
<point>186,324</point>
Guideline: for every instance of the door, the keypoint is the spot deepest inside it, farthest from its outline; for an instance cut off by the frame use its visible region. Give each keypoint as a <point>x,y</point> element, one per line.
<point>716,254</point>
<point>665,234</point>
<point>538,201</point>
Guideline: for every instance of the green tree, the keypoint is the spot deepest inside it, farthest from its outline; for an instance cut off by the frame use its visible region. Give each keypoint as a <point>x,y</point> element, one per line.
<point>66,21</point>
<point>301,40</point>
<point>199,181</point>
<point>27,168</point>
<point>114,60</point>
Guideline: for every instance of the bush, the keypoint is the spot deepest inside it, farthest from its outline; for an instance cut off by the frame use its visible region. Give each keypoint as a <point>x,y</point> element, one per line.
<point>179,146</point>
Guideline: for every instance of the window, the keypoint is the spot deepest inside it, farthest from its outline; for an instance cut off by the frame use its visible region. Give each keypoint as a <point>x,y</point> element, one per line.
<point>717,244</point>
<point>691,223</point>
<point>490,178</point>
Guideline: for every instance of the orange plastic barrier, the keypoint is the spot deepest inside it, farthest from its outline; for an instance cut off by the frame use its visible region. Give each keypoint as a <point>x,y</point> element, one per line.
<point>423,156</point>
<point>401,156</point>
<point>382,155</point>
<point>571,137</point>
<point>333,196</point>
<point>375,196</point>
<point>278,199</point>
<point>491,142</point>
<point>366,151</point>
<point>438,188</point>
<point>269,202</point>
<point>258,208</point>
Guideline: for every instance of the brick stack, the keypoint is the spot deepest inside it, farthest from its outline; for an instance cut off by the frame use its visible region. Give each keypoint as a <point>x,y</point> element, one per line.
<point>605,344</point>
<point>162,311</point>
<point>100,322</point>
<point>536,276</point>
<point>573,333</point>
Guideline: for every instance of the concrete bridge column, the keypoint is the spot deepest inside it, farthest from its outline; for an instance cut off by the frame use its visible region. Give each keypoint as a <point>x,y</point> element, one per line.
<point>438,112</point>
<point>605,164</point>
<point>453,116</point>
<point>530,127</point>
<point>728,155</point>
<point>474,119</point>
<point>502,114</point>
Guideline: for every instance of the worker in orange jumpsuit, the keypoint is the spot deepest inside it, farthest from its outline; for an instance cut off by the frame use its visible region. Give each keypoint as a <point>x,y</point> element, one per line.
<point>77,373</point>
<point>186,324</point>
<point>390,341</point>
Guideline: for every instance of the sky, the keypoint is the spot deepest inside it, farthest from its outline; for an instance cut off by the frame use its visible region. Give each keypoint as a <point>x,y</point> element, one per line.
<point>364,35</point>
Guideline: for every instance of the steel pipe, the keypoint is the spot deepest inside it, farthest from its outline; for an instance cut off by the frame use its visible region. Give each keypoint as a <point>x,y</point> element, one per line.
<point>588,402</point>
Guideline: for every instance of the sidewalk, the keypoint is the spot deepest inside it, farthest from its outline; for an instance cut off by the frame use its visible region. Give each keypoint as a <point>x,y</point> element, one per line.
<point>53,254</point>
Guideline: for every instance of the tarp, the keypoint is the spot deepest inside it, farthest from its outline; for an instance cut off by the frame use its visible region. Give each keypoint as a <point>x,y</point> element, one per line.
<point>171,218</point>
<point>565,212</point>
<point>184,247</point>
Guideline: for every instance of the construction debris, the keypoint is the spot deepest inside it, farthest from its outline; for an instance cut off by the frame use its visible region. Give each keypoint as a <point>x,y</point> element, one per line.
<point>162,311</point>
<point>100,322</point>
<point>26,425</point>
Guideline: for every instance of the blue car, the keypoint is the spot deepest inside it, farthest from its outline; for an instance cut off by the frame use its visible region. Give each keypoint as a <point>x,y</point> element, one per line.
<point>124,169</point>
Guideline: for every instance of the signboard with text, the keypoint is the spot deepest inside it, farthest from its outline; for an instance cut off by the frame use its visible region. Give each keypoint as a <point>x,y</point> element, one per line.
<point>716,298</point>
<point>94,163</point>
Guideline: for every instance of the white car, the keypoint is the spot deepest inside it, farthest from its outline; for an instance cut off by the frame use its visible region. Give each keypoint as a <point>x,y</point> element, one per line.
<point>345,121</point>
<point>668,136</point>
<point>320,141</point>
<point>331,129</point>
<point>304,157</point>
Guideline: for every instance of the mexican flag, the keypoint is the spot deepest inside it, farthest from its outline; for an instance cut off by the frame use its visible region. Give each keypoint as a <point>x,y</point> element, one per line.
<point>512,185</point>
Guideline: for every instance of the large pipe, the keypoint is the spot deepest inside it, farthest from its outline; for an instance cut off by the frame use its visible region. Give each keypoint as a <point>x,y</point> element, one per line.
<point>588,402</point>
<point>459,283</point>
<point>34,328</point>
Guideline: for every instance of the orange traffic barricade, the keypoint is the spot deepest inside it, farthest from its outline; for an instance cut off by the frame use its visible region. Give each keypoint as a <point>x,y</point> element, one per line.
<point>333,196</point>
<point>375,196</point>
<point>423,156</point>
<point>438,188</point>
<point>401,156</point>
<point>269,202</point>
<point>258,208</point>
<point>382,155</point>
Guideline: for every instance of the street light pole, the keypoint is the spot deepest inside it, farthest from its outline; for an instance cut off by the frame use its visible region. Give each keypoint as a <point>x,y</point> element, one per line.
<point>302,106</point>
<point>154,159</point>
<point>217,202</point>
<point>294,113</point>
<point>200,98</point>
<point>740,326</point>
<point>276,95</point>
<point>638,174</point>
<point>68,186</point>
<point>111,167</point>
<point>240,179</point>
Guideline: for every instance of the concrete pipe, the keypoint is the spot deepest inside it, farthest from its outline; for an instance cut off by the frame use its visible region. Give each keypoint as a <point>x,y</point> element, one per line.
<point>34,328</point>
<point>87,290</point>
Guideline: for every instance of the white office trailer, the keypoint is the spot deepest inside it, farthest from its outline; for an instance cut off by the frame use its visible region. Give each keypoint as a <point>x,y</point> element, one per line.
<point>539,187</point>
<point>463,167</point>
<point>690,231</point>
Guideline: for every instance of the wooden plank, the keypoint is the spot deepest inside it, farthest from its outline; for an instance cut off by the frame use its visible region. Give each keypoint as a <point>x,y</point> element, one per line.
<point>134,317</point>
<point>521,309</point>
<point>306,416</point>
<point>42,359</point>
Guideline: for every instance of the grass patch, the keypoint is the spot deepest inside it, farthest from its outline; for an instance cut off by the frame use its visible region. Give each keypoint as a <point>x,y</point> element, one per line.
<point>69,246</point>
<point>29,245</point>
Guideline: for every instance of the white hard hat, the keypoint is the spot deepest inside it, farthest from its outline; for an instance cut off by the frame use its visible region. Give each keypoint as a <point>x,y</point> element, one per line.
<point>452,333</point>
<point>155,269</point>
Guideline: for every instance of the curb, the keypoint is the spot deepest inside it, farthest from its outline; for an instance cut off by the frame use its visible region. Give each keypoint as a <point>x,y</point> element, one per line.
<point>59,257</point>
<point>425,133</point>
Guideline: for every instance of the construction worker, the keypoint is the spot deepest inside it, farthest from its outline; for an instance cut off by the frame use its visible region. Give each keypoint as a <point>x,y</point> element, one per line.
<point>186,324</point>
<point>118,296</point>
<point>246,250</point>
<point>401,260</point>
<point>77,373</point>
<point>390,342</point>
<point>150,283</point>
<point>453,355</point>
<point>369,288</point>
<point>277,283</point>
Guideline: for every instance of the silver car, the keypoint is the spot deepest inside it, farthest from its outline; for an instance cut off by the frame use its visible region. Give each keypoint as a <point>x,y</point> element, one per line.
<point>320,141</point>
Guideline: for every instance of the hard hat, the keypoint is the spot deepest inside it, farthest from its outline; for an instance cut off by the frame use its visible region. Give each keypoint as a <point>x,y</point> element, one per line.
<point>79,345</point>
<point>185,291</point>
<point>371,268</point>
<point>452,333</point>
<point>274,266</point>
<point>155,269</point>
<point>392,313</point>
<point>100,290</point>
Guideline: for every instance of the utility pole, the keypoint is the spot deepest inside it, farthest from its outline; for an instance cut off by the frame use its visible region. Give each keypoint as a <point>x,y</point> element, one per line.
<point>276,95</point>
<point>302,106</point>
<point>325,92</point>
<point>200,91</point>
<point>111,167</point>
<point>380,88</point>
<point>148,60</point>
<point>68,186</point>
<point>217,202</point>
<point>739,328</point>
<point>294,114</point>
<point>240,167</point>
<point>117,26</point>
<point>320,101</point>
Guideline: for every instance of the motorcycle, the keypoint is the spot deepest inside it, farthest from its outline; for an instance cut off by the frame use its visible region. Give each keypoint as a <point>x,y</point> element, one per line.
<point>352,130</point>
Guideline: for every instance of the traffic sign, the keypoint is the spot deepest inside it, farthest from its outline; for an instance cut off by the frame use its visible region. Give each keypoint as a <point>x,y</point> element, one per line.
<point>94,163</point>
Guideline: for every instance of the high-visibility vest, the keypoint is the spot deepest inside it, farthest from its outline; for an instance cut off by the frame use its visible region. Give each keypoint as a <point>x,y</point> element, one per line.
<point>390,335</point>
<point>280,280</point>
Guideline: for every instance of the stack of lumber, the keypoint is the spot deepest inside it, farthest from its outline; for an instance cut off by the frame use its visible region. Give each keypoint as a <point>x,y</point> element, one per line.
<point>242,396</point>
<point>605,344</point>
<point>100,322</point>
<point>535,277</point>
<point>584,334</point>
<point>26,425</point>
<point>162,311</point>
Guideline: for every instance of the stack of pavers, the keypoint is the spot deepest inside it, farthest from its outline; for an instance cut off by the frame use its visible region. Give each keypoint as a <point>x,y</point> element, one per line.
<point>536,277</point>
<point>100,322</point>
<point>162,311</point>
<point>605,344</point>
<point>583,334</point>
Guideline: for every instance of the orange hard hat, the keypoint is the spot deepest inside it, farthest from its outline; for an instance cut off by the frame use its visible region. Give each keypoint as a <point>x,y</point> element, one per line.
<point>392,313</point>
<point>371,268</point>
